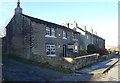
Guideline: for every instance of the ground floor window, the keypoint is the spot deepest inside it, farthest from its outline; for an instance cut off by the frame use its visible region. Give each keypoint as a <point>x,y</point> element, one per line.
<point>81,47</point>
<point>50,49</point>
<point>76,49</point>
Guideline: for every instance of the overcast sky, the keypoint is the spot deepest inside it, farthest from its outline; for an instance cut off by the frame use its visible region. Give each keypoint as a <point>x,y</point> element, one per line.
<point>102,16</point>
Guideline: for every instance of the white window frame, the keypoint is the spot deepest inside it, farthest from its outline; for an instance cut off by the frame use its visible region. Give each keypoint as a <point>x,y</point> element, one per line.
<point>75,49</point>
<point>51,31</point>
<point>87,36</point>
<point>81,47</point>
<point>75,37</point>
<point>48,30</point>
<point>51,47</point>
<point>64,35</point>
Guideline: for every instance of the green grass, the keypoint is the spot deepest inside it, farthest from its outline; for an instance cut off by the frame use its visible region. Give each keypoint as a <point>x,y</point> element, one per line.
<point>43,65</point>
<point>18,59</point>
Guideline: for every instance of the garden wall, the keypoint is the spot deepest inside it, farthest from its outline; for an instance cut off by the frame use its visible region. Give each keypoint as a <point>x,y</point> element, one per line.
<point>73,63</point>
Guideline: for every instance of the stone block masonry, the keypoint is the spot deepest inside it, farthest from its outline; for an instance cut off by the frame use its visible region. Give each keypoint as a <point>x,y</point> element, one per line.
<point>73,63</point>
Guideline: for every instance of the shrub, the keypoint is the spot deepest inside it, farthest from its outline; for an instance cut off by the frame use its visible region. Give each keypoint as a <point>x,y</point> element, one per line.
<point>82,52</point>
<point>109,51</point>
<point>102,51</point>
<point>91,48</point>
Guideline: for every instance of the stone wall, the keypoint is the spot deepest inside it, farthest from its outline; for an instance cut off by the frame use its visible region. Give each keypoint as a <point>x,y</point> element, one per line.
<point>73,63</point>
<point>17,40</point>
<point>39,40</point>
<point>105,57</point>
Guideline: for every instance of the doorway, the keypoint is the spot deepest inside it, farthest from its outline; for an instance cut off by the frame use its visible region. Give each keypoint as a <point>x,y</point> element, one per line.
<point>64,51</point>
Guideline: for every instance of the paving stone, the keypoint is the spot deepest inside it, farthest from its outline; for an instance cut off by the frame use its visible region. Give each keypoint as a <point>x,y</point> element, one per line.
<point>98,67</point>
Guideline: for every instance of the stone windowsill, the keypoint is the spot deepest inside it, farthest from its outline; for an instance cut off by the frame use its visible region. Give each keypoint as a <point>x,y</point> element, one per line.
<point>50,55</point>
<point>64,38</point>
<point>50,36</point>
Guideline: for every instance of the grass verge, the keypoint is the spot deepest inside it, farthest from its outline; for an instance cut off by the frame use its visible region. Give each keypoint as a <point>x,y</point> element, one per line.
<point>43,65</point>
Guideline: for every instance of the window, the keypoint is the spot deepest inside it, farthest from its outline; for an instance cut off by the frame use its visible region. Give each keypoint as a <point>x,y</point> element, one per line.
<point>50,50</point>
<point>76,49</point>
<point>53,32</point>
<point>50,32</point>
<point>75,36</point>
<point>64,35</point>
<point>87,37</point>
<point>81,47</point>
<point>97,40</point>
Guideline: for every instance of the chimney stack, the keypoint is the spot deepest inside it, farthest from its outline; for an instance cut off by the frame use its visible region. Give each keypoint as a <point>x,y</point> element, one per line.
<point>84,28</point>
<point>18,10</point>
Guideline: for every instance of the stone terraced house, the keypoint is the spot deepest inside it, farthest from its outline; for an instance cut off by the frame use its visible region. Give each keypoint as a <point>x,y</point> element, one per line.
<point>87,37</point>
<point>27,36</point>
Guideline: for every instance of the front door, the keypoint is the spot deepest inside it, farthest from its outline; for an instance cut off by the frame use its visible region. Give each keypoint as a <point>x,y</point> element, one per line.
<point>64,50</point>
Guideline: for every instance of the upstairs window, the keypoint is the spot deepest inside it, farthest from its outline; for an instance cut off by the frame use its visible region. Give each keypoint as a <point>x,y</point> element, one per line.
<point>75,36</point>
<point>64,34</point>
<point>53,32</point>
<point>87,36</point>
<point>50,32</point>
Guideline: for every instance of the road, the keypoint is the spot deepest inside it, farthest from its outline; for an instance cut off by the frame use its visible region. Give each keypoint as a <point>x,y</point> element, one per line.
<point>16,71</point>
<point>113,74</point>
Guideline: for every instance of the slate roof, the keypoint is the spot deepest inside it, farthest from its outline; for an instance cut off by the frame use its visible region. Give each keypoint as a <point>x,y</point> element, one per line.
<point>49,24</point>
<point>81,29</point>
<point>90,33</point>
<point>72,42</point>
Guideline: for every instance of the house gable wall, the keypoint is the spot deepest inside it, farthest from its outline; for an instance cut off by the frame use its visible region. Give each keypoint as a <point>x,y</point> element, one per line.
<point>17,37</point>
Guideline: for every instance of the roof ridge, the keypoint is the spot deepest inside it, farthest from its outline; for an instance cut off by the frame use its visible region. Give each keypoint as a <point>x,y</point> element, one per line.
<point>49,23</point>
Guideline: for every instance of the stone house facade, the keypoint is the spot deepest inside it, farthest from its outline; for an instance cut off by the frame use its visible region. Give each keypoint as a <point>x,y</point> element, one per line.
<point>87,37</point>
<point>27,36</point>
<point>94,39</point>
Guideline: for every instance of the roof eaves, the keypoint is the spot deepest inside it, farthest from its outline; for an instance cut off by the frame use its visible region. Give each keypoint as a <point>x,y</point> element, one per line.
<point>50,24</point>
